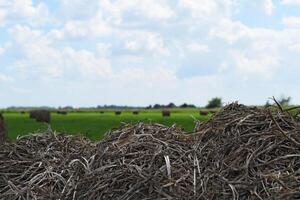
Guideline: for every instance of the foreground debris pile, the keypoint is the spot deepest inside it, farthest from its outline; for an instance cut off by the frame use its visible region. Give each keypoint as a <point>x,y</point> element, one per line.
<point>241,153</point>
<point>249,153</point>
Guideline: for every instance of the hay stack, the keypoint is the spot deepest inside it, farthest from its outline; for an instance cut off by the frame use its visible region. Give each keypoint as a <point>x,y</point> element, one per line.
<point>40,115</point>
<point>203,112</point>
<point>33,114</point>
<point>135,112</point>
<point>213,111</point>
<point>2,129</point>
<point>166,113</point>
<point>118,112</point>
<point>62,112</point>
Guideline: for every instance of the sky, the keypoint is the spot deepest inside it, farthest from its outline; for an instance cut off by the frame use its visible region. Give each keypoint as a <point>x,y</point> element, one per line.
<point>141,52</point>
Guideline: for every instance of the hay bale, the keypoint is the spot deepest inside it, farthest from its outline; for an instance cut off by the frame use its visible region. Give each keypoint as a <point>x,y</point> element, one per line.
<point>23,112</point>
<point>32,114</point>
<point>40,115</point>
<point>166,113</point>
<point>118,112</point>
<point>203,112</point>
<point>2,129</point>
<point>102,112</point>
<point>135,112</point>
<point>43,116</point>
<point>62,112</point>
<point>213,111</point>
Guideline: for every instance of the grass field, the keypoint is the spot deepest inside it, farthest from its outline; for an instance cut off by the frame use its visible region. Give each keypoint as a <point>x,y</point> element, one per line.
<point>94,124</point>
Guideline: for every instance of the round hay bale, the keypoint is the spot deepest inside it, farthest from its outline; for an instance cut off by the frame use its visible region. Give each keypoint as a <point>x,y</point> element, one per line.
<point>102,112</point>
<point>33,114</point>
<point>43,116</point>
<point>203,112</point>
<point>166,113</point>
<point>23,112</point>
<point>213,111</point>
<point>2,129</point>
<point>118,112</point>
<point>135,112</point>
<point>62,112</point>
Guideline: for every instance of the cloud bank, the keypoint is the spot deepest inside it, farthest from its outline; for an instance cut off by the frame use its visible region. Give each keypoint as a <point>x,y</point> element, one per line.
<point>144,52</point>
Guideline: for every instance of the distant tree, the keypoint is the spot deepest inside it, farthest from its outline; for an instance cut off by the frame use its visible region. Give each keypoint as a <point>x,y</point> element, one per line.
<point>171,105</point>
<point>67,108</point>
<point>149,107</point>
<point>156,106</point>
<point>267,104</point>
<point>214,103</point>
<point>185,105</point>
<point>284,100</point>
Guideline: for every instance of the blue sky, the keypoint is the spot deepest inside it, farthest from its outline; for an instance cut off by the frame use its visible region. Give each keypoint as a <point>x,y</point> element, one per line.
<point>141,52</point>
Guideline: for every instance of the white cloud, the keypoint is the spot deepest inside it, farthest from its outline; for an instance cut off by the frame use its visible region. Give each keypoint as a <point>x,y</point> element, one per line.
<point>2,50</point>
<point>104,49</point>
<point>2,17</point>
<point>114,44</point>
<point>151,9</point>
<point>82,9</point>
<point>93,27</point>
<point>295,47</point>
<point>268,7</point>
<point>41,59</point>
<point>263,65</point>
<point>229,30</point>
<point>207,9</point>
<point>291,22</point>
<point>5,78</point>
<point>5,47</point>
<point>157,81</point>
<point>291,2</point>
<point>137,41</point>
<point>25,11</point>
<point>198,48</point>
<point>88,64</point>
<point>257,51</point>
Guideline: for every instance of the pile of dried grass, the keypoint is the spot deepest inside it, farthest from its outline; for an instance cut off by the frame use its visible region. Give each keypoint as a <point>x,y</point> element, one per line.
<point>43,166</point>
<point>249,153</point>
<point>241,153</point>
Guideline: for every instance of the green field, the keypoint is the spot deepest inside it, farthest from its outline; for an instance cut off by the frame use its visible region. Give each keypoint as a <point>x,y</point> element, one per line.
<point>95,124</point>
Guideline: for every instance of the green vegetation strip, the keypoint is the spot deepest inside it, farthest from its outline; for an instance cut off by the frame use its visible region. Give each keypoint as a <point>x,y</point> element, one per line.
<point>94,125</point>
